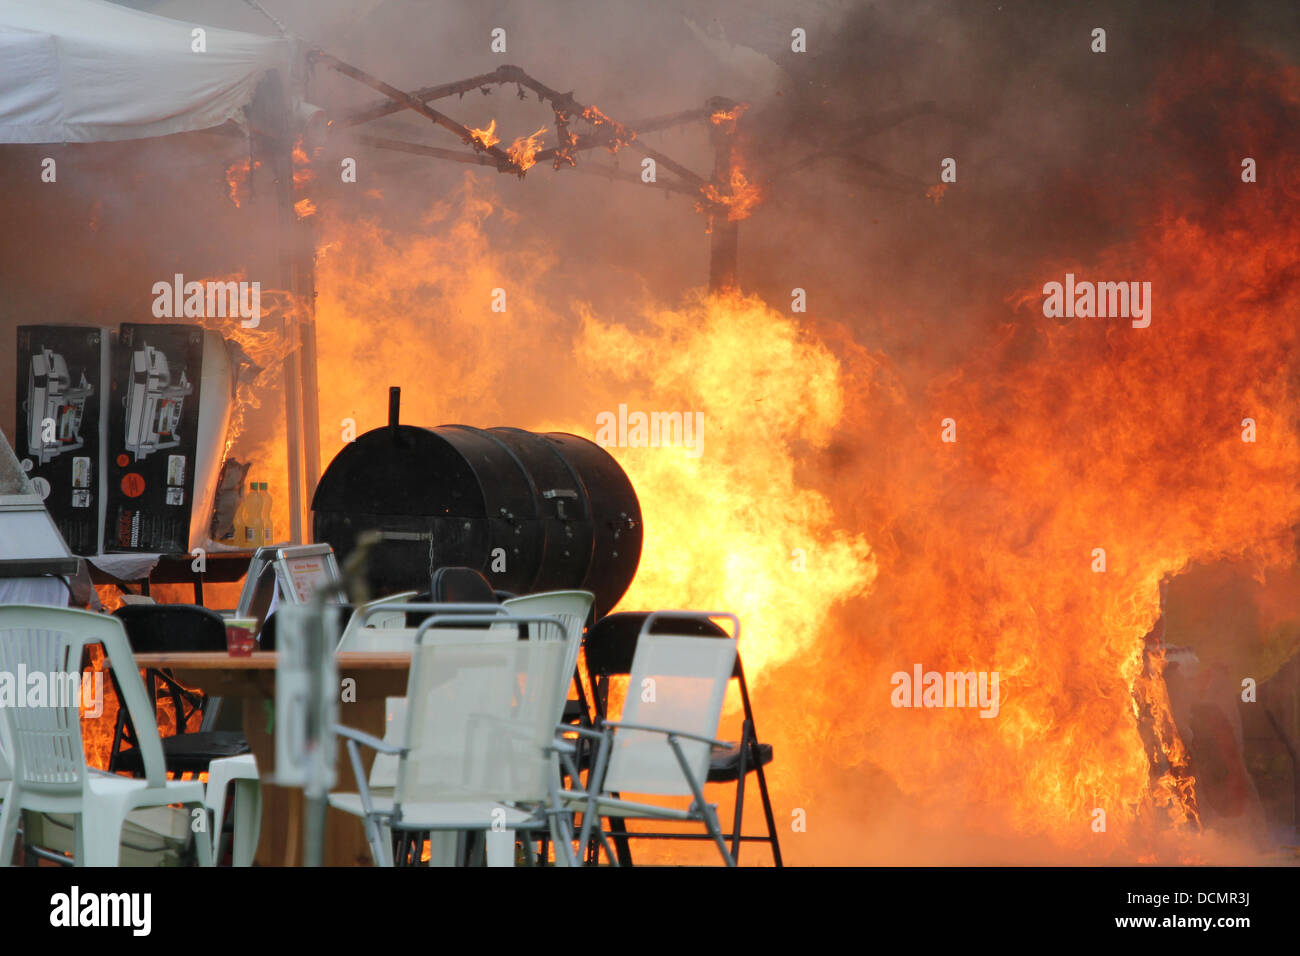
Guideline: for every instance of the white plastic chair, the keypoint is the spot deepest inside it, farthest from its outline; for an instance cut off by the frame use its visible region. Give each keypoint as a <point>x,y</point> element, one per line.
<point>661,744</point>
<point>381,613</point>
<point>480,717</point>
<point>392,635</point>
<point>242,772</point>
<point>49,766</point>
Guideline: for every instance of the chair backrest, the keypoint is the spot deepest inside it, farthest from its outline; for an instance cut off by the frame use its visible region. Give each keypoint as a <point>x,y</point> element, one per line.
<point>155,628</point>
<point>678,682</point>
<point>394,615</point>
<point>611,644</point>
<point>45,735</point>
<point>456,585</point>
<point>260,590</point>
<point>384,612</point>
<point>571,607</point>
<point>357,636</point>
<point>481,709</point>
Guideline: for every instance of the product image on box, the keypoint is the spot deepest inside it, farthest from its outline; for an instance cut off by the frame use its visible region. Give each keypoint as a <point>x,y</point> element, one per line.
<point>154,403</point>
<point>168,410</point>
<point>61,378</point>
<point>55,407</point>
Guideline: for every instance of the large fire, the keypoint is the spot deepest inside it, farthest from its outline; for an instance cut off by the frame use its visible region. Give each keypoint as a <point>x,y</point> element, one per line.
<point>1017,514</point>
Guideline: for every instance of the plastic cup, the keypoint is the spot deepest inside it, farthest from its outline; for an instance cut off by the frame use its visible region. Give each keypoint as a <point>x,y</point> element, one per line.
<point>241,638</point>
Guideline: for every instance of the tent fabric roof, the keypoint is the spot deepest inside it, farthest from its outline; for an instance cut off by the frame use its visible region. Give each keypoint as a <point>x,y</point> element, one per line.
<point>78,71</point>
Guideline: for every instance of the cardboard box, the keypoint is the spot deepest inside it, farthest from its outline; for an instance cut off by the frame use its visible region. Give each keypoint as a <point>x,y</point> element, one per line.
<point>169,407</point>
<point>62,373</point>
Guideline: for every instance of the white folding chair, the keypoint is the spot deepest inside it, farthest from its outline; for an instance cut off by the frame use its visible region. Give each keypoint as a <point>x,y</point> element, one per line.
<point>661,744</point>
<point>481,710</point>
<point>49,768</point>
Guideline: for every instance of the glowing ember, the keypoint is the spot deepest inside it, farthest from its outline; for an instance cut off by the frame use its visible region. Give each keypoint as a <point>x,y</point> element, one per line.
<point>621,135</point>
<point>728,118</point>
<point>304,207</point>
<point>935,192</point>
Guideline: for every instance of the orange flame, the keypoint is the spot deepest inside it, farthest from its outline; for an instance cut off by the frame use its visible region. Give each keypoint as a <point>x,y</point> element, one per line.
<point>728,118</point>
<point>621,137</point>
<point>485,138</point>
<point>237,179</point>
<point>739,201</point>
<point>523,151</point>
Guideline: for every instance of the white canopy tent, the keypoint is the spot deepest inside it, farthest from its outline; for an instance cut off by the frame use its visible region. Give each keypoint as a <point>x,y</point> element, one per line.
<point>77,71</point>
<point>83,71</point>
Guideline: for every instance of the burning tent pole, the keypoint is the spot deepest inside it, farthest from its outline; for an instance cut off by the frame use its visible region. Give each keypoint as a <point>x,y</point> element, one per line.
<point>272,140</point>
<point>724,232</point>
<point>466,135</point>
<point>612,135</point>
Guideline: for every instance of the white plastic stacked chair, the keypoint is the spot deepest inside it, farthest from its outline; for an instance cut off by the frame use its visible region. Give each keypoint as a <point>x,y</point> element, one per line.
<point>569,607</point>
<point>380,614</point>
<point>241,771</point>
<point>661,744</point>
<point>49,768</point>
<point>482,707</point>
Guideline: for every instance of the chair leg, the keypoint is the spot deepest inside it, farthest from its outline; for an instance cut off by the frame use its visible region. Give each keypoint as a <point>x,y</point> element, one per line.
<point>248,821</point>
<point>9,814</point>
<point>767,810</point>
<point>99,832</point>
<point>499,847</point>
<point>381,842</point>
<point>621,844</point>
<point>715,831</point>
<point>202,843</point>
<point>739,818</point>
<point>443,847</point>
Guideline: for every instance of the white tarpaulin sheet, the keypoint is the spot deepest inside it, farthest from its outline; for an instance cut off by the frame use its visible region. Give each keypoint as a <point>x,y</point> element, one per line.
<point>87,70</point>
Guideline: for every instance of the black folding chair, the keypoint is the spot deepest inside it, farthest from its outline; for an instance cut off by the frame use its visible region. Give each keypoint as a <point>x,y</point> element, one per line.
<point>609,646</point>
<point>152,628</point>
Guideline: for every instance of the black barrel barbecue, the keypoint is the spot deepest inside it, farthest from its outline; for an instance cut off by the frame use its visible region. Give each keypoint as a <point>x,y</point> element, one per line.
<point>533,512</point>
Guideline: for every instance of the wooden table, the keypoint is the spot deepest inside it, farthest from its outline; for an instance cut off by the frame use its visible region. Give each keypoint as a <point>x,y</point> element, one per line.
<point>221,567</point>
<point>252,680</point>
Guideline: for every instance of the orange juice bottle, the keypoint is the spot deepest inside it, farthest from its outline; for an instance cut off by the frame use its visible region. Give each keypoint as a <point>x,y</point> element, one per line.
<point>264,514</point>
<point>246,534</point>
